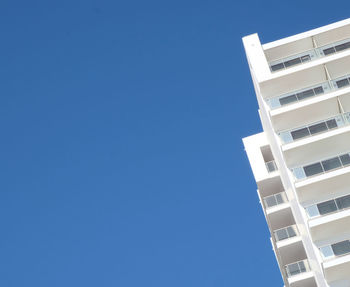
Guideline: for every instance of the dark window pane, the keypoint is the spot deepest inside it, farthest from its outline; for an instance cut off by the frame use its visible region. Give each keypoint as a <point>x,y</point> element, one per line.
<point>313,169</point>
<point>270,201</point>
<point>292,62</point>
<point>305,94</point>
<point>314,129</point>
<point>277,67</point>
<point>287,100</point>
<point>343,202</point>
<point>345,159</point>
<point>332,163</point>
<point>293,269</point>
<point>342,83</point>
<point>281,234</point>
<point>331,124</point>
<point>318,90</point>
<point>305,58</point>
<point>341,248</point>
<point>279,198</point>
<point>291,232</point>
<point>342,47</point>
<point>329,51</point>
<point>298,134</point>
<point>327,207</point>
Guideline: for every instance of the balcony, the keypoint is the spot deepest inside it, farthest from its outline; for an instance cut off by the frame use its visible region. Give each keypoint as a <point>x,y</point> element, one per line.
<point>321,167</point>
<point>315,128</point>
<point>271,166</point>
<point>336,249</point>
<point>309,55</point>
<point>286,233</point>
<point>275,199</point>
<point>297,268</point>
<point>299,274</point>
<point>309,92</point>
<point>328,207</point>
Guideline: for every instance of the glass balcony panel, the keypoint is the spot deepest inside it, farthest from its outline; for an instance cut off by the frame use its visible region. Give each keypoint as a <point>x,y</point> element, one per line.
<point>342,47</point>
<point>270,201</point>
<point>275,199</point>
<point>331,124</point>
<point>345,159</point>
<point>305,58</point>
<point>281,234</point>
<point>332,163</point>
<point>341,248</point>
<point>277,67</point>
<point>327,251</point>
<point>342,83</point>
<point>305,94</point>
<point>292,62</point>
<point>279,198</point>
<point>343,202</point>
<point>291,230</point>
<point>313,169</point>
<point>271,166</point>
<point>287,100</point>
<point>327,207</point>
<point>318,128</point>
<point>318,90</point>
<point>301,133</point>
<point>312,211</point>
<point>297,268</point>
<point>329,51</point>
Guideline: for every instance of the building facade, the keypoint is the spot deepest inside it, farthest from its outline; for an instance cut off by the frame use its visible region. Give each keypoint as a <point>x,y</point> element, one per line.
<point>301,160</point>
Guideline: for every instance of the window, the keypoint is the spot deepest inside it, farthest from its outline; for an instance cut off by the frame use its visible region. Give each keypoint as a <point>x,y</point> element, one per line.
<point>327,207</point>
<point>341,248</point>
<point>313,169</point>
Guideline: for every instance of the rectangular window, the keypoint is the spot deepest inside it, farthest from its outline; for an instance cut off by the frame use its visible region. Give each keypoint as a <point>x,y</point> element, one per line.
<point>332,163</point>
<point>343,202</point>
<point>313,169</point>
<point>341,248</point>
<point>288,100</point>
<point>305,94</point>
<point>301,133</point>
<point>342,47</point>
<point>277,67</point>
<point>317,128</point>
<point>342,83</point>
<point>329,51</point>
<point>331,124</point>
<point>345,159</point>
<point>318,90</point>
<point>292,62</point>
<point>327,207</point>
<point>305,58</point>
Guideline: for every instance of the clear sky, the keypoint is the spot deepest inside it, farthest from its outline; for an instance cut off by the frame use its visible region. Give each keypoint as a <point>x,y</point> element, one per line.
<point>121,156</point>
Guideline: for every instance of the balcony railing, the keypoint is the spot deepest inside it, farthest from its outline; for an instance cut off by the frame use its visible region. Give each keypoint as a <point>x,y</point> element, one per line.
<point>271,166</point>
<point>286,232</point>
<point>309,55</point>
<point>315,128</point>
<point>309,92</point>
<point>321,167</point>
<point>297,268</point>
<point>275,199</point>
<point>329,206</point>
<point>336,249</point>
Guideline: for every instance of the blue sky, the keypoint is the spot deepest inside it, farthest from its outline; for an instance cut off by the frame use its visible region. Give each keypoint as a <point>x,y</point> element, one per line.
<point>121,155</point>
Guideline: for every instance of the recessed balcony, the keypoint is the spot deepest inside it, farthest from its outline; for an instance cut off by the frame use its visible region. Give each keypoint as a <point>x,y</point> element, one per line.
<point>299,274</point>
<point>321,167</point>
<point>328,207</point>
<point>309,55</point>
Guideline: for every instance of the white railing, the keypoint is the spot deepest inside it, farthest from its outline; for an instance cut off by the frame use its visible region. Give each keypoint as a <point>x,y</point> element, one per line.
<point>275,199</point>
<point>297,268</point>
<point>286,232</point>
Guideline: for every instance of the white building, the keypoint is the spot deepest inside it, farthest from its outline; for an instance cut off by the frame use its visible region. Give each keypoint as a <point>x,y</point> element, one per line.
<point>301,162</point>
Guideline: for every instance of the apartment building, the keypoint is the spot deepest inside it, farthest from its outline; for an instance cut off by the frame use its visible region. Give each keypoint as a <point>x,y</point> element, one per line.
<point>301,160</point>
